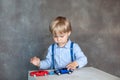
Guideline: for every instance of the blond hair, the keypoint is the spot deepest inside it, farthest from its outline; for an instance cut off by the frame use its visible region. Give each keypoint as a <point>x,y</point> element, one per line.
<point>60,25</point>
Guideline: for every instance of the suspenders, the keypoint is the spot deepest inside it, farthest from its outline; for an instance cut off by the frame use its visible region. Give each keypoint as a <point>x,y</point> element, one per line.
<point>71,53</point>
<point>52,66</point>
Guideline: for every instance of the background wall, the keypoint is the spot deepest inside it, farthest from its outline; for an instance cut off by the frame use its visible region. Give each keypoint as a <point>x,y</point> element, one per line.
<point>24,33</point>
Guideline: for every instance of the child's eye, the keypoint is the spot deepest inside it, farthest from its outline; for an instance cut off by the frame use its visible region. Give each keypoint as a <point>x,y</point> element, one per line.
<point>61,36</point>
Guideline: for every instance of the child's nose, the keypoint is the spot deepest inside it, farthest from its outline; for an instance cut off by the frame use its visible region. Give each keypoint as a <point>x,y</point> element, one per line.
<point>58,38</point>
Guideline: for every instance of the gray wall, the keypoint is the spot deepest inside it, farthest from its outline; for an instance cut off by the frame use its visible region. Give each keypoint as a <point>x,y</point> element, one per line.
<point>24,33</point>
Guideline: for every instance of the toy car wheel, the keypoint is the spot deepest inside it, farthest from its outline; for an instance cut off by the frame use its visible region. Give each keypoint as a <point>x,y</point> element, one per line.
<point>69,72</point>
<point>45,74</point>
<point>34,75</point>
<point>59,73</point>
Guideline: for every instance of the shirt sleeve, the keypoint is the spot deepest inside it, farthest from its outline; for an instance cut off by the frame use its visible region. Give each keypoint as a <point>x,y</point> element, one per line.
<point>46,64</point>
<point>80,58</point>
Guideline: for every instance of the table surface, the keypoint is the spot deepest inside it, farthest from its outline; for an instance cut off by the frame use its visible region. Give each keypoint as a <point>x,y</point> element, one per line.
<point>86,73</point>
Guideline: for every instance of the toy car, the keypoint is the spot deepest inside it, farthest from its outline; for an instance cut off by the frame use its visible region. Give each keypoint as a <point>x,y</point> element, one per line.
<point>63,71</point>
<point>39,73</point>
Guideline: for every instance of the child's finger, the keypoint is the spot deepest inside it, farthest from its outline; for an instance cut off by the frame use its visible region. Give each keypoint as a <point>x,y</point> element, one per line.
<point>32,59</point>
<point>69,66</point>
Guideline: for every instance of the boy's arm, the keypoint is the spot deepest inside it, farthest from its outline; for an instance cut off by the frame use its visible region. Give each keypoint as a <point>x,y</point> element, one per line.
<point>46,64</point>
<point>80,57</point>
<point>80,60</point>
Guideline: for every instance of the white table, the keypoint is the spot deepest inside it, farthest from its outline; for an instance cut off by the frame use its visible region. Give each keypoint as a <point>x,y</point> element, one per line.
<point>86,73</point>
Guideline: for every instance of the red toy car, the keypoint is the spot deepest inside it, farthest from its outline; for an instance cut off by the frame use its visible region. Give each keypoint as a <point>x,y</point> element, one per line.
<point>39,73</point>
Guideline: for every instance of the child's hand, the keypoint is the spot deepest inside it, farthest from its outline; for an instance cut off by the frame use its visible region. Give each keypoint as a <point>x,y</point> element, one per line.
<point>35,61</point>
<point>72,65</point>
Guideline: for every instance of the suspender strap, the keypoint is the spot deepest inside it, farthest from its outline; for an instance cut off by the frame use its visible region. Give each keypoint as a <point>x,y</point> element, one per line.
<point>53,66</point>
<point>71,51</point>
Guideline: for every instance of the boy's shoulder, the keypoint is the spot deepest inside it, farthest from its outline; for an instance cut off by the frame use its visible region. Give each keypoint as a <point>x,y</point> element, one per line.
<point>74,43</point>
<point>50,46</point>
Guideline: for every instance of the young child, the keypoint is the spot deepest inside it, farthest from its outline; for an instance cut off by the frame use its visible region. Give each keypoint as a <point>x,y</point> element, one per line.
<point>63,53</point>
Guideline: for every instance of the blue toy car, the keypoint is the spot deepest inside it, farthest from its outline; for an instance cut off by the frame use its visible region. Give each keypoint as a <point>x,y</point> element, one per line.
<point>63,71</point>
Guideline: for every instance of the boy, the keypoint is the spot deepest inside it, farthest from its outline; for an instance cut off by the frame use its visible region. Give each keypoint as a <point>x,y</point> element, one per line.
<point>60,53</point>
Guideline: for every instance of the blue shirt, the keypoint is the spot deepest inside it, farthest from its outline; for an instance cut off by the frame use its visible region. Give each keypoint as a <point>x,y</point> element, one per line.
<point>62,56</point>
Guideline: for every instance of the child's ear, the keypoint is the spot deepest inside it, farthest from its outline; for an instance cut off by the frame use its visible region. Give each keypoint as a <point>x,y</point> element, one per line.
<point>69,33</point>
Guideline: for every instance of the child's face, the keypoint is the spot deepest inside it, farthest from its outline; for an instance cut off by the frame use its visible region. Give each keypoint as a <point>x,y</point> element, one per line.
<point>61,38</point>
